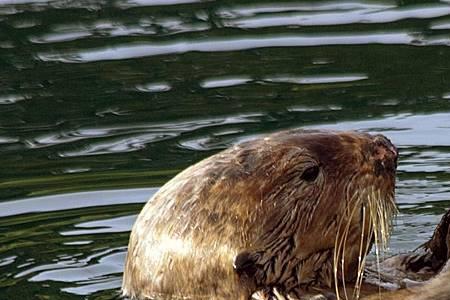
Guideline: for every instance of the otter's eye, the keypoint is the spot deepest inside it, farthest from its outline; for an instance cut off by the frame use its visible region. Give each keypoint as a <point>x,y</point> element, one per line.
<point>311,173</point>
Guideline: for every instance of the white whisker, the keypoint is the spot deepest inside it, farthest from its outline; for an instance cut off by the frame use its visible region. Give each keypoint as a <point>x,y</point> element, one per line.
<point>378,212</point>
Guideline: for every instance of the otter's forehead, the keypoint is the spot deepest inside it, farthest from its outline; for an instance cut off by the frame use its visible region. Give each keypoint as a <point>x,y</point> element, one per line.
<point>337,153</point>
<point>307,137</point>
<point>326,145</point>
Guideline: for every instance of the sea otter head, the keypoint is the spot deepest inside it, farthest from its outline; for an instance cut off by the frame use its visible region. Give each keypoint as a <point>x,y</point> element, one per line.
<point>325,198</point>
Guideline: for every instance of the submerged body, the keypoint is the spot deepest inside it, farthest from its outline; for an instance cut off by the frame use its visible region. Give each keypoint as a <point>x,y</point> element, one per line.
<point>296,211</point>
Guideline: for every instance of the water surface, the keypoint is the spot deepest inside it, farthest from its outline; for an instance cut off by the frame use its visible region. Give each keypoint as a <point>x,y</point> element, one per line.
<point>102,102</point>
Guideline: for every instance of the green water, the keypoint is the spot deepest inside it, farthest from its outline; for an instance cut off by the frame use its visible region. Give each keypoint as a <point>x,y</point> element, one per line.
<point>102,102</point>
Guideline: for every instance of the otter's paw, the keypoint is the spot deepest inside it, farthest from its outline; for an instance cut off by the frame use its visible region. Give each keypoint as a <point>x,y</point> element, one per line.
<point>326,296</point>
<point>268,294</point>
<point>322,296</point>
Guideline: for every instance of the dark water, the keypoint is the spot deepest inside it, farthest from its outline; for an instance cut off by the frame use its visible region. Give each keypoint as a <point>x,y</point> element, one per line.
<point>101,102</point>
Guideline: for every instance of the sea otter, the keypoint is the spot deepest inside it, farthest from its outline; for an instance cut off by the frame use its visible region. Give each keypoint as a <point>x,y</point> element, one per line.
<point>296,211</point>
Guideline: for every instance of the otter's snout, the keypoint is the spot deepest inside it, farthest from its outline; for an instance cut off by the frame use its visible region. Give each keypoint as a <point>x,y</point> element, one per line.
<point>385,154</point>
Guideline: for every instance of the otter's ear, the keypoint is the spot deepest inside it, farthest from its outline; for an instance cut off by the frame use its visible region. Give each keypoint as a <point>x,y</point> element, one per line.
<point>248,271</point>
<point>245,263</point>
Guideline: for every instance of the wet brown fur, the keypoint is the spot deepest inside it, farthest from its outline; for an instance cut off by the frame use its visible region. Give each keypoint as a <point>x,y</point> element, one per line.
<point>250,205</point>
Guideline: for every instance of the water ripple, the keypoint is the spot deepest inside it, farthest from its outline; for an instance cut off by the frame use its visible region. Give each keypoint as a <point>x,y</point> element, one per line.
<point>119,145</point>
<point>8,140</point>
<point>216,141</point>
<point>60,37</point>
<point>7,260</point>
<point>366,15</point>
<point>224,82</point>
<point>95,285</point>
<point>91,274</point>
<point>108,140</point>
<point>316,79</point>
<point>11,99</point>
<point>119,224</point>
<point>80,271</point>
<point>299,108</point>
<point>405,129</point>
<point>145,26</point>
<point>73,201</point>
<point>128,51</point>
<point>154,87</point>
<point>440,25</point>
<point>262,8</point>
<point>124,4</point>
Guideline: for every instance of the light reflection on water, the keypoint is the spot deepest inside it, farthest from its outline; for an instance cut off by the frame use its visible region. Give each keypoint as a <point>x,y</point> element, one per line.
<point>239,44</point>
<point>366,15</point>
<point>100,100</point>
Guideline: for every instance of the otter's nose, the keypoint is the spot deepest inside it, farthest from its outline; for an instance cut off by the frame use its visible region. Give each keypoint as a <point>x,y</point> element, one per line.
<point>384,153</point>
